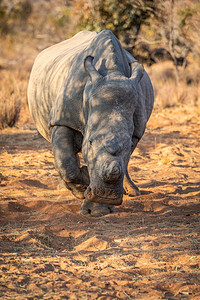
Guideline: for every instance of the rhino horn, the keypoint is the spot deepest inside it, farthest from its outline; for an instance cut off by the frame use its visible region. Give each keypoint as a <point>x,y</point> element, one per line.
<point>137,71</point>
<point>89,67</point>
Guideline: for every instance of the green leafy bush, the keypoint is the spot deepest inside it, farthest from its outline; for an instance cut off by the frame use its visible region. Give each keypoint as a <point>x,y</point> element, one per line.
<point>124,17</point>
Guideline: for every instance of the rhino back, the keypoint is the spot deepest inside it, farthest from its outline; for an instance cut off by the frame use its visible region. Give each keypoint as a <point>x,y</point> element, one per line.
<point>49,76</point>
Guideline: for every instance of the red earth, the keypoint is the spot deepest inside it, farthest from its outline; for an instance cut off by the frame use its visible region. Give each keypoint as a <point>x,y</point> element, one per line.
<point>149,248</point>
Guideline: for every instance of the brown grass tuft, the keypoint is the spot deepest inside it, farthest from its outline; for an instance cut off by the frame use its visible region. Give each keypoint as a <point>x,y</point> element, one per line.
<point>13,85</point>
<point>9,111</point>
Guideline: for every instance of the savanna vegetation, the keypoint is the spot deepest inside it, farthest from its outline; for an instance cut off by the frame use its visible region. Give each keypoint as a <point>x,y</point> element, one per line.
<point>163,35</point>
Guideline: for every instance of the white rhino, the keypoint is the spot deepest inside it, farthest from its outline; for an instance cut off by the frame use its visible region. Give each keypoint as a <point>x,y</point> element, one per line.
<point>87,94</point>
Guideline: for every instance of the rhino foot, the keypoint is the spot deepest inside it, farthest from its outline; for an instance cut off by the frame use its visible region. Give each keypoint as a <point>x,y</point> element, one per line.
<point>77,190</point>
<point>132,191</point>
<point>96,209</point>
<point>130,188</point>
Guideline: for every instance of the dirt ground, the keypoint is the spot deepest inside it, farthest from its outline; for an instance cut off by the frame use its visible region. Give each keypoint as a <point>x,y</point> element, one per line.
<point>149,248</point>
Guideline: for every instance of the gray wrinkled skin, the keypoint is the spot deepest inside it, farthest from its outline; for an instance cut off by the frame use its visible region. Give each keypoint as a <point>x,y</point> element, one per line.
<point>87,94</point>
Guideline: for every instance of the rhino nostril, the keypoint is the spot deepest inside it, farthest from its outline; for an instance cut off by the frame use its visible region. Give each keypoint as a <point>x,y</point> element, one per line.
<point>111,171</point>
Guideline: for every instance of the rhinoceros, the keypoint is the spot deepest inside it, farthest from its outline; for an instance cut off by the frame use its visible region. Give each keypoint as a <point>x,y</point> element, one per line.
<point>87,94</point>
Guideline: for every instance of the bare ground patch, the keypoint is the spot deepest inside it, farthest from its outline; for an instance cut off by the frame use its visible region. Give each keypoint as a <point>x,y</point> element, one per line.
<point>147,249</point>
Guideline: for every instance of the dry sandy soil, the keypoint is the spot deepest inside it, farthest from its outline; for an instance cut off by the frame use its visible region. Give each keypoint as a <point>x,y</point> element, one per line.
<point>149,248</point>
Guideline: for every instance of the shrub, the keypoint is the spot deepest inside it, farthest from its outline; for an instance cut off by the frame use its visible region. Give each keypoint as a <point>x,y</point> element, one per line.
<point>14,15</point>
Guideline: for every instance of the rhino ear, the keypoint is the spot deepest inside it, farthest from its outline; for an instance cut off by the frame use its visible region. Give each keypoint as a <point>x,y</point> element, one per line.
<point>137,71</point>
<point>89,67</point>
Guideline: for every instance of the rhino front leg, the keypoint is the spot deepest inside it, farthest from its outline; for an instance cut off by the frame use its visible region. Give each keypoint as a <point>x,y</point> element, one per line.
<point>129,186</point>
<point>65,152</point>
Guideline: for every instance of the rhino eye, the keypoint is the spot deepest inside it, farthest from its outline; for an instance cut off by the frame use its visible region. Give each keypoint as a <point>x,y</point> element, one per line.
<point>90,141</point>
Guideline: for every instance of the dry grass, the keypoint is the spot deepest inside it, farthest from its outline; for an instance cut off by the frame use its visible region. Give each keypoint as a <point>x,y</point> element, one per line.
<point>13,86</point>
<point>167,92</point>
<point>10,101</point>
<point>9,112</point>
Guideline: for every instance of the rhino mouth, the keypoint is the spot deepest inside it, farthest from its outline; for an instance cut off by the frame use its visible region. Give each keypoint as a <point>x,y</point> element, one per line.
<point>106,196</point>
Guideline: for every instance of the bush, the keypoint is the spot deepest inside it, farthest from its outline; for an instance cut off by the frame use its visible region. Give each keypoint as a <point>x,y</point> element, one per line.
<point>14,15</point>
<point>124,18</point>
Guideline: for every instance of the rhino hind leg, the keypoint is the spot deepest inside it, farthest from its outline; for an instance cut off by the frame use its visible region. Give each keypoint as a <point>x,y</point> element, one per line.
<point>96,209</point>
<point>65,151</point>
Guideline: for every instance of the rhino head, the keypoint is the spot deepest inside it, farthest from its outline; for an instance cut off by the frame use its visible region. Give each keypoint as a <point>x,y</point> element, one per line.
<point>109,105</point>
